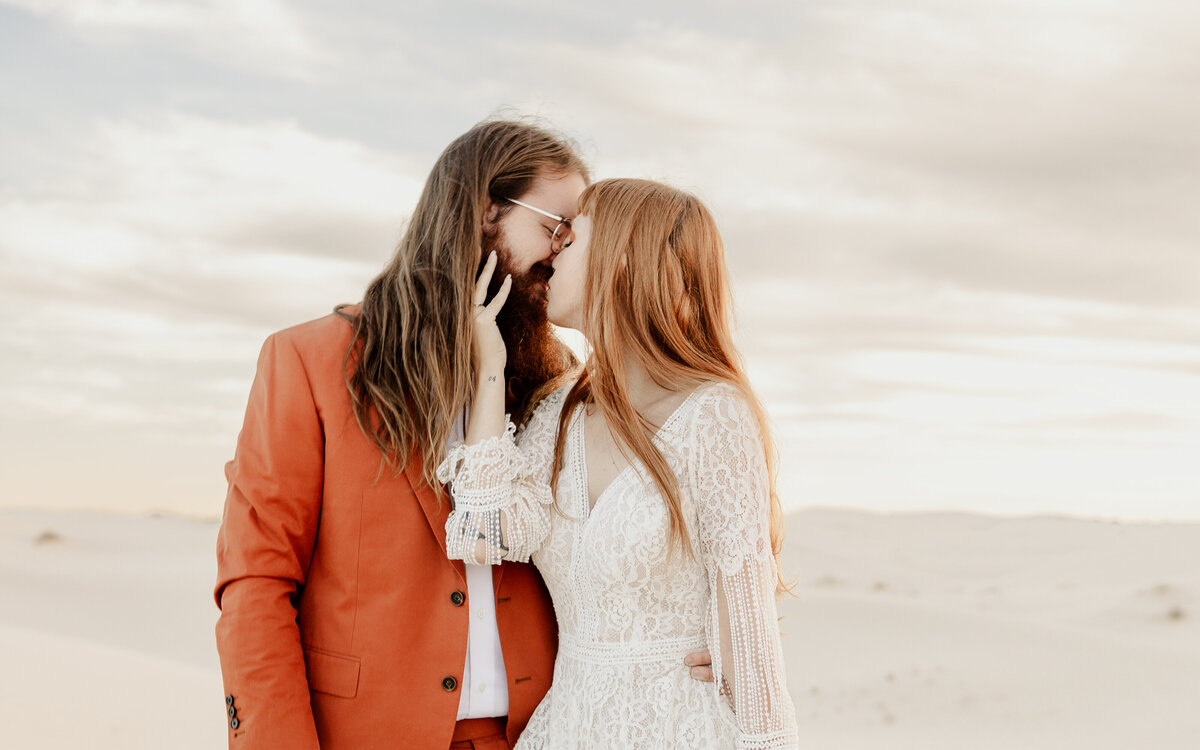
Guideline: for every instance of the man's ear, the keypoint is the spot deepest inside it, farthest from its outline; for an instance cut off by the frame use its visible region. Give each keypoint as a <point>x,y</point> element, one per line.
<point>491,213</point>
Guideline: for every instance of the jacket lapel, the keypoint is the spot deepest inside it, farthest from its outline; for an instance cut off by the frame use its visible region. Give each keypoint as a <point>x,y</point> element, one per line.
<point>435,513</point>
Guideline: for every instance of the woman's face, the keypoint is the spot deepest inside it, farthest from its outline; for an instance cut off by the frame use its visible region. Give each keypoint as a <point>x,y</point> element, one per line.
<point>564,306</point>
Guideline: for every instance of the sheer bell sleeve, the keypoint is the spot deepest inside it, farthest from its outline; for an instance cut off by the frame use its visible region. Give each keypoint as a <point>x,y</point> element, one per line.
<point>501,490</point>
<point>732,497</point>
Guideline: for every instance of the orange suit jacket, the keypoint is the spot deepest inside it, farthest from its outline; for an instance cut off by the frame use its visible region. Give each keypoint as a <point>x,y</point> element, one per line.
<point>343,625</point>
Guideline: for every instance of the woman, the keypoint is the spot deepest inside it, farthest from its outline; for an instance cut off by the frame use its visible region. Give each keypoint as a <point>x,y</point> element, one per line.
<point>643,491</point>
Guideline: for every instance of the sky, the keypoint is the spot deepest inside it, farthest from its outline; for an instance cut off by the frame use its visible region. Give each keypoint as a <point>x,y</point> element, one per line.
<point>963,235</point>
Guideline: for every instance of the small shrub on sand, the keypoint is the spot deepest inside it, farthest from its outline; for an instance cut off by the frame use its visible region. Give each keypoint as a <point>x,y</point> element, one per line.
<point>49,536</point>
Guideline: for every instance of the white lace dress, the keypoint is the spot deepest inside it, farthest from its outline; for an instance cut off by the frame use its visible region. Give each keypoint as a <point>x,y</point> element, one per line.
<point>627,615</point>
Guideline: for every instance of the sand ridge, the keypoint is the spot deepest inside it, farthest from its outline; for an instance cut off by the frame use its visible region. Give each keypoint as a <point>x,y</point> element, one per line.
<point>909,630</point>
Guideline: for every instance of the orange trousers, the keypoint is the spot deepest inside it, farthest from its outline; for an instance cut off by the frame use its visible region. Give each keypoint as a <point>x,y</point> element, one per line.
<point>480,734</point>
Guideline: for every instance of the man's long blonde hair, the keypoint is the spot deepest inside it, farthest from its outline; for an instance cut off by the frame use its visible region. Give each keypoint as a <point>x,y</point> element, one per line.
<point>657,288</point>
<point>409,368</point>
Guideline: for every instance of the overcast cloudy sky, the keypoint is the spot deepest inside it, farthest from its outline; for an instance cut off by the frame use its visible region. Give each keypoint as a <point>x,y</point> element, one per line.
<point>964,234</point>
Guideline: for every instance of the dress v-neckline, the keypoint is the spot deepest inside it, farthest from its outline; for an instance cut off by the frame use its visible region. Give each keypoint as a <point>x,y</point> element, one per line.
<point>583,468</point>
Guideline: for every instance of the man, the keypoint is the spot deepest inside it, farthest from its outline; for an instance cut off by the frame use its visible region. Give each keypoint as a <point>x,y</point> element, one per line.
<point>343,624</point>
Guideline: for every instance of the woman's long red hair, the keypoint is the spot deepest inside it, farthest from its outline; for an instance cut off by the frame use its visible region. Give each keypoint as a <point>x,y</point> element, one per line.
<point>657,290</point>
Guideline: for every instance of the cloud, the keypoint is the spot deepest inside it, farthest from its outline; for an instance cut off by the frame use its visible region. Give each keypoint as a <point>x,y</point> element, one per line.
<point>961,235</point>
<point>260,34</point>
<point>1153,425</point>
<point>1015,147</point>
<point>168,213</point>
<point>141,277</point>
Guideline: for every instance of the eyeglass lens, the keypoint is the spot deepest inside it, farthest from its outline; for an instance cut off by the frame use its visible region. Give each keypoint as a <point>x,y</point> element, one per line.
<point>562,237</point>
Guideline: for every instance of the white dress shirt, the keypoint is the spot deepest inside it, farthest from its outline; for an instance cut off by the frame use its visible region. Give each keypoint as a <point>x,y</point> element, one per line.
<point>484,683</point>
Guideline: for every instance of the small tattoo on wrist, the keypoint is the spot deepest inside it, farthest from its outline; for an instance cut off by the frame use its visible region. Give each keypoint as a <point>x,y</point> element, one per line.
<point>491,378</point>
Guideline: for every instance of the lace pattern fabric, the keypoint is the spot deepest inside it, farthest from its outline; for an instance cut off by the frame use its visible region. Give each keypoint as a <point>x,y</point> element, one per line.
<point>628,611</point>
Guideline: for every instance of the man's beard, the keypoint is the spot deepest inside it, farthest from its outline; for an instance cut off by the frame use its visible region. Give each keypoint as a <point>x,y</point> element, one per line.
<point>535,355</point>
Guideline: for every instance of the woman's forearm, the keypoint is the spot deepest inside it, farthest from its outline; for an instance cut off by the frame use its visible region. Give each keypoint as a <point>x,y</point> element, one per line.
<point>487,410</point>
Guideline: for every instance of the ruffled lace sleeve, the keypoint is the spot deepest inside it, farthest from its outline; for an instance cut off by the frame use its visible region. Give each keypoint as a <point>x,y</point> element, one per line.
<point>501,490</point>
<point>729,479</point>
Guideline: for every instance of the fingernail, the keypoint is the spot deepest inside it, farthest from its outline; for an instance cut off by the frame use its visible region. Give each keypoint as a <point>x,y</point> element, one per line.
<point>492,254</point>
<point>687,660</point>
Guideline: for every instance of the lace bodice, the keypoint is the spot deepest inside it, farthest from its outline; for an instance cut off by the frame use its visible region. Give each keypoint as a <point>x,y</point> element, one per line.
<point>627,609</point>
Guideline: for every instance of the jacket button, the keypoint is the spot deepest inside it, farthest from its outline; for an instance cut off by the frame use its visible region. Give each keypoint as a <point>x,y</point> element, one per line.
<point>232,712</point>
<point>449,683</point>
<point>229,700</point>
<point>457,598</point>
<point>233,723</point>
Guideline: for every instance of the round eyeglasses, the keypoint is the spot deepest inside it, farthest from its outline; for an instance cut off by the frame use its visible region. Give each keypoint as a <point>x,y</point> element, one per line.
<point>562,236</point>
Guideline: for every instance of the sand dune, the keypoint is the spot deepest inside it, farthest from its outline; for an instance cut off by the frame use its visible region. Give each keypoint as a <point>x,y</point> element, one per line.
<point>927,630</point>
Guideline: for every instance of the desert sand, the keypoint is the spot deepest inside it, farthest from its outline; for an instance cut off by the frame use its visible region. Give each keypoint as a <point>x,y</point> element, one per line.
<point>916,630</point>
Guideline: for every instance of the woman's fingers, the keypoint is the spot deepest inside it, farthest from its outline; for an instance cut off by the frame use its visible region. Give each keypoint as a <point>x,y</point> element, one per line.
<point>497,302</point>
<point>485,278</point>
<point>488,348</point>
